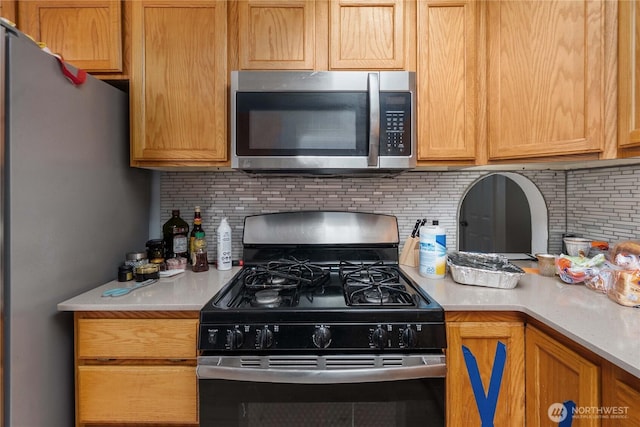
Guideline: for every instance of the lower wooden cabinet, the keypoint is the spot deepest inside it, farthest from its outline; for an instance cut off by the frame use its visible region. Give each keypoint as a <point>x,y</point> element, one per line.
<point>558,379</point>
<point>139,368</point>
<point>134,394</point>
<point>620,397</point>
<point>482,334</point>
<point>136,368</point>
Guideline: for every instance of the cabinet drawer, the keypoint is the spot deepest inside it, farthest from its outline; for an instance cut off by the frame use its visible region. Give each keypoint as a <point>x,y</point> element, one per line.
<point>136,338</point>
<point>119,394</point>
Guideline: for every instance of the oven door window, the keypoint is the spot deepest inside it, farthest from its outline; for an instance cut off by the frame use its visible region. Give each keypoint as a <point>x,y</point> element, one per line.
<point>301,124</point>
<point>389,404</point>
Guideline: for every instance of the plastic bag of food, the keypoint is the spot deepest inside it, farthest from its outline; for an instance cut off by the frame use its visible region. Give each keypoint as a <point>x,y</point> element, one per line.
<point>625,247</point>
<point>604,279</point>
<point>627,261</point>
<point>625,290</point>
<point>577,269</point>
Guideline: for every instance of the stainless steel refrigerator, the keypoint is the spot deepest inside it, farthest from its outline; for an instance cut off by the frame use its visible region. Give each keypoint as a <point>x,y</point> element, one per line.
<point>71,209</point>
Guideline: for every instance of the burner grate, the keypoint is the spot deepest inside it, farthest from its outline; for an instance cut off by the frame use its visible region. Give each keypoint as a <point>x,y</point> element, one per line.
<point>374,284</point>
<point>286,273</point>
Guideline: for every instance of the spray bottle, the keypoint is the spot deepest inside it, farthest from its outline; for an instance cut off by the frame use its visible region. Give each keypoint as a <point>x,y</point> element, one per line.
<point>224,245</point>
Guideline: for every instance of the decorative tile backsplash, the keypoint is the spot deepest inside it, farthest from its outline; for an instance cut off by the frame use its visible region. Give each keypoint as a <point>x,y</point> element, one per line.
<point>604,204</point>
<point>412,195</point>
<point>597,203</point>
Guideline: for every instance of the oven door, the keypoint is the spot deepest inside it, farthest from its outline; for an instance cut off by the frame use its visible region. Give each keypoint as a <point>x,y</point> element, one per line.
<point>331,391</point>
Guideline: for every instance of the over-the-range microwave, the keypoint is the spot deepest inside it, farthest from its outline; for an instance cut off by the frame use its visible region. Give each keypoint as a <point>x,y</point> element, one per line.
<point>327,122</point>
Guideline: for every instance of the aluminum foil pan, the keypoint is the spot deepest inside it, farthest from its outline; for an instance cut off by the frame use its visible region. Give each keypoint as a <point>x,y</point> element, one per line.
<point>492,270</point>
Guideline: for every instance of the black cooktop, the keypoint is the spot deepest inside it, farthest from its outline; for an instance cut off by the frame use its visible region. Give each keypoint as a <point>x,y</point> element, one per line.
<point>344,292</point>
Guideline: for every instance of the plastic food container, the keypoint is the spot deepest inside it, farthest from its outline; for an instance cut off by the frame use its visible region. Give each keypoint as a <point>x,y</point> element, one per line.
<point>491,270</point>
<point>577,246</point>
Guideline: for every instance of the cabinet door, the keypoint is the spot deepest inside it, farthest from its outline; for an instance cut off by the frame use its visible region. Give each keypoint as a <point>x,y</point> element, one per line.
<point>482,338</point>
<point>620,397</point>
<point>545,78</point>
<point>136,338</point>
<point>144,394</point>
<point>556,374</point>
<point>87,33</point>
<point>8,9</point>
<point>178,83</point>
<point>366,34</point>
<point>276,34</point>
<point>629,74</point>
<point>447,94</point>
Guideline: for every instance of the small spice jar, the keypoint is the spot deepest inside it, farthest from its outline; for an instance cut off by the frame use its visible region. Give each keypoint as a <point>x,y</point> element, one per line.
<point>155,251</point>
<point>147,271</point>
<point>136,259</point>
<point>125,273</point>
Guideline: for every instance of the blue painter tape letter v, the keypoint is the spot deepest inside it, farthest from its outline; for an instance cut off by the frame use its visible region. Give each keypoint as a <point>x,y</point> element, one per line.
<point>486,402</point>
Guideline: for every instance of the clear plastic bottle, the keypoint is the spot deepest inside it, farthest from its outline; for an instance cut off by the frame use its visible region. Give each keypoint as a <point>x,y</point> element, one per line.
<point>200,263</point>
<point>224,245</point>
<point>433,251</point>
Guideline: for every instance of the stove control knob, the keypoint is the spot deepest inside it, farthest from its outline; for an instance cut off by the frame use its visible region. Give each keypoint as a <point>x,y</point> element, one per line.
<point>379,338</point>
<point>235,338</point>
<point>322,337</point>
<point>264,338</point>
<point>213,336</point>
<point>409,337</point>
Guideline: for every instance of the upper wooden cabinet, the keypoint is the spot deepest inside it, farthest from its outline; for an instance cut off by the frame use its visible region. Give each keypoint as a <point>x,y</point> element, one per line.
<point>86,33</point>
<point>276,34</point>
<point>320,35</point>
<point>8,9</point>
<point>178,84</point>
<point>446,76</point>
<point>366,34</point>
<point>629,74</point>
<point>545,78</point>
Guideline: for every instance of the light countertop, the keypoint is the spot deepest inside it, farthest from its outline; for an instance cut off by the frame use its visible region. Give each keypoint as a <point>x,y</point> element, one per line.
<point>587,317</point>
<point>187,291</point>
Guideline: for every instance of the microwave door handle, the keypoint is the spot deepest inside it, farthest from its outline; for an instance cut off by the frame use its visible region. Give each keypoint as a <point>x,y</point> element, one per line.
<point>373,86</point>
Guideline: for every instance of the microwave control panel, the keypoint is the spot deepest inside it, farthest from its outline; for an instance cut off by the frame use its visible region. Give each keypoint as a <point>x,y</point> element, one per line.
<point>395,124</point>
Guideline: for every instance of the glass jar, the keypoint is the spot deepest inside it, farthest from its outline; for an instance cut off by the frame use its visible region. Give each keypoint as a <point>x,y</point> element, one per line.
<point>147,271</point>
<point>136,259</point>
<point>125,273</point>
<point>155,251</point>
<point>200,262</point>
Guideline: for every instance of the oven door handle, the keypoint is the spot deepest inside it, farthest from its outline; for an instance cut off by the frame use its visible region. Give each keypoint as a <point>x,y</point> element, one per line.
<point>429,369</point>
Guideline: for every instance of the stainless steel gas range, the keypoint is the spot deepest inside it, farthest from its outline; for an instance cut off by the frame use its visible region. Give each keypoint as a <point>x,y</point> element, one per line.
<point>321,327</point>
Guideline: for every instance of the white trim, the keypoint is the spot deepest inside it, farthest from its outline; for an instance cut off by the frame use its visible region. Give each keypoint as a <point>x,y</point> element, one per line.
<point>539,216</point>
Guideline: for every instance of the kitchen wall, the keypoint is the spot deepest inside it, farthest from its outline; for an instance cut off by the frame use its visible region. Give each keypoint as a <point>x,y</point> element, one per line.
<point>434,195</point>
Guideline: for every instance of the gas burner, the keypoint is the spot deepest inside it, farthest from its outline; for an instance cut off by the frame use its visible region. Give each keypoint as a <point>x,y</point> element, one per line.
<point>267,298</point>
<point>288,273</point>
<point>373,284</point>
<point>376,296</point>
